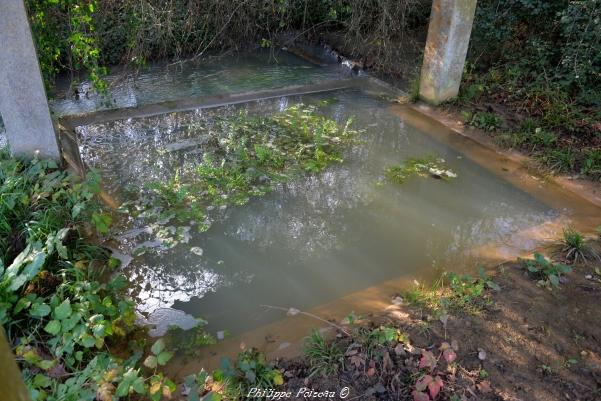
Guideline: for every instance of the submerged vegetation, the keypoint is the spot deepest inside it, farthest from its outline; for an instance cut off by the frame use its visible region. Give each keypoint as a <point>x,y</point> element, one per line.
<point>247,156</point>
<point>421,167</point>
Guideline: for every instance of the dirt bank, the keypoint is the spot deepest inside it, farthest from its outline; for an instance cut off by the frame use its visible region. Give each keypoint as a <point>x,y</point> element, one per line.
<point>530,343</point>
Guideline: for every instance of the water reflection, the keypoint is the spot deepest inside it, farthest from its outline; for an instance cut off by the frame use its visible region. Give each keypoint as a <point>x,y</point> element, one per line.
<point>317,237</point>
<point>215,76</point>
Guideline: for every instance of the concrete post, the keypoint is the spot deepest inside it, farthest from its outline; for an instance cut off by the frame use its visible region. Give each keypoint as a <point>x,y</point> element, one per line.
<point>23,102</point>
<point>446,47</point>
<point>12,387</point>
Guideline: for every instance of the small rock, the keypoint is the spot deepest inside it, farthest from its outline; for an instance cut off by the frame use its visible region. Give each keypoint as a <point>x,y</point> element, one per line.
<point>481,354</point>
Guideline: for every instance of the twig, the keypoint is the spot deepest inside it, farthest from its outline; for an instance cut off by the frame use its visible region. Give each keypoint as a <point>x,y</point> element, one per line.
<point>309,315</point>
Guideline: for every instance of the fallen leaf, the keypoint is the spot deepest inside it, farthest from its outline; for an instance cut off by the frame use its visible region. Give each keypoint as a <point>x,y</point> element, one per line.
<point>419,396</point>
<point>484,387</point>
<point>387,362</point>
<point>449,355</point>
<point>399,350</point>
<point>435,386</point>
<point>371,372</point>
<point>358,361</point>
<point>422,383</point>
<point>427,360</point>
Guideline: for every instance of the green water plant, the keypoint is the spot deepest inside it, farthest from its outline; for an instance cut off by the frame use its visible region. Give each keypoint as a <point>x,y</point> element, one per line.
<point>422,167</point>
<point>247,156</point>
<point>547,272</point>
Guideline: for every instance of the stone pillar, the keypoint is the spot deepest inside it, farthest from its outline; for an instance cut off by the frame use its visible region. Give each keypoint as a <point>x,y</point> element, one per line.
<point>23,102</point>
<point>446,48</point>
<point>12,387</point>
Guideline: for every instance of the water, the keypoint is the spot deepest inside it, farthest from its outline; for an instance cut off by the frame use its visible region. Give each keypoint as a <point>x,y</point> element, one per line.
<point>318,237</point>
<point>214,76</point>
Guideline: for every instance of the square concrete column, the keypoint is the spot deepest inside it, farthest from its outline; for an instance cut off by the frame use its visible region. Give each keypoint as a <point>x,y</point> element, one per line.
<point>446,47</point>
<point>23,102</point>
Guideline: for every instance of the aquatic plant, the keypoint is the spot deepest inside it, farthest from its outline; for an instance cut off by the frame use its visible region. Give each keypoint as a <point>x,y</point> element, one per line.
<point>247,157</point>
<point>422,167</point>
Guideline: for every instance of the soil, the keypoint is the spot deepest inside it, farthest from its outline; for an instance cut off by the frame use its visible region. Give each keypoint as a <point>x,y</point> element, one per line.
<point>531,344</point>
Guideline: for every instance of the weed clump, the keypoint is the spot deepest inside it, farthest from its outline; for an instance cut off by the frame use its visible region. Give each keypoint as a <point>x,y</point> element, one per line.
<point>325,358</point>
<point>547,272</point>
<point>454,293</point>
<point>421,167</point>
<point>575,248</point>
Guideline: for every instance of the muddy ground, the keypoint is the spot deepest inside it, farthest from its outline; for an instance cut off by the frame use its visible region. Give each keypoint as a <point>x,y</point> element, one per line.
<point>531,343</point>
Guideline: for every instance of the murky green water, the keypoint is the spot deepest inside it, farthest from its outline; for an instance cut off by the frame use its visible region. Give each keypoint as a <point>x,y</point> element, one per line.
<point>318,237</point>
<point>214,76</point>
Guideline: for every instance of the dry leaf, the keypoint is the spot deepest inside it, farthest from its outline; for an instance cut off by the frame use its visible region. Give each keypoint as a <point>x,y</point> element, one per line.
<point>484,386</point>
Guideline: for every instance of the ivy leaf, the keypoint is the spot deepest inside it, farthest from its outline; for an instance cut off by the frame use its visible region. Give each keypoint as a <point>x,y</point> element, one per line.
<point>419,396</point>
<point>53,327</point>
<point>434,387</point>
<point>151,362</point>
<point>138,385</point>
<point>494,286</point>
<point>40,310</point>
<point>422,382</point>
<point>212,396</point>
<point>427,360</point>
<point>87,340</point>
<point>64,310</point>
<point>158,346</point>
<point>164,357</point>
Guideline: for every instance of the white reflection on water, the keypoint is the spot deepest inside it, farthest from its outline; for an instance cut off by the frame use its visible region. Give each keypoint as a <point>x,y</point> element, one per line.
<point>317,237</point>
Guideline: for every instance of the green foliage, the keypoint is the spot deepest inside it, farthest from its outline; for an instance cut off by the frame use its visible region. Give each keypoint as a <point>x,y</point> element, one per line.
<point>249,155</point>
<point>325,358</point>
<point>189,341</point>
<point>575,248</point>
<point>592,163</point>
<point>548,42</point>
<point>58,304</point>
<point>485,121</point>
<point>250,370</point>
<point>454,293</point>
<point>421,167</point>
<point>540,60</point>
<point>64,32</point>
<point>547,272</point>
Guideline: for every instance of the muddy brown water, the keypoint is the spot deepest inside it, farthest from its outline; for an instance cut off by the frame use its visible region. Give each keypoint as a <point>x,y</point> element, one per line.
<point>339,241</point>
